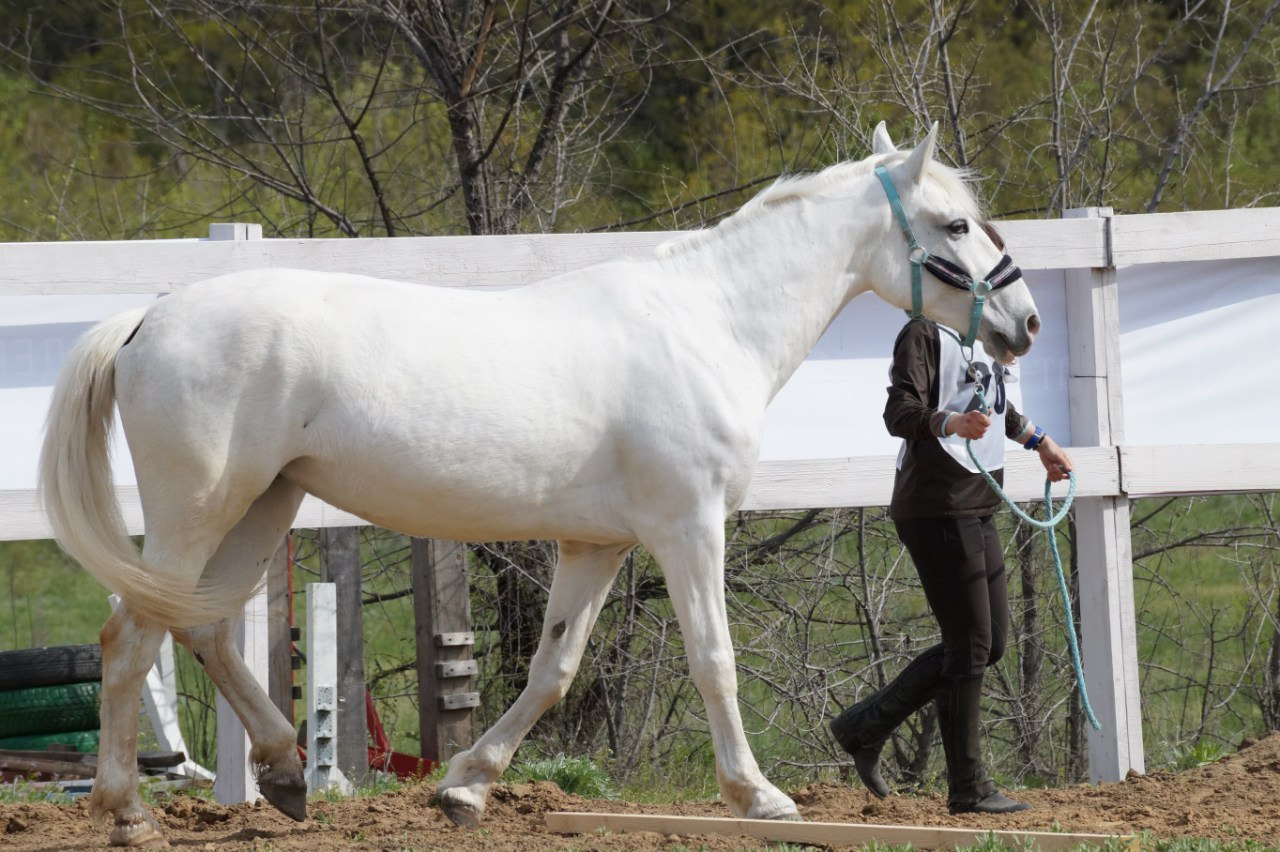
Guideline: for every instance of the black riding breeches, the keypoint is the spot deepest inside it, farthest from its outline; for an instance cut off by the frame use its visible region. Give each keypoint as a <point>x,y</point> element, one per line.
<point>961,567</point>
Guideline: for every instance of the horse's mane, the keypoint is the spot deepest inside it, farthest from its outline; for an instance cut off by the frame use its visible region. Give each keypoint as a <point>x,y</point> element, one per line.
<point>797,187</point>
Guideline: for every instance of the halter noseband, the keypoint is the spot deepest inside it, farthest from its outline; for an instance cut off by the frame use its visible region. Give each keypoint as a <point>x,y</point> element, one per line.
<point>1004,273</point>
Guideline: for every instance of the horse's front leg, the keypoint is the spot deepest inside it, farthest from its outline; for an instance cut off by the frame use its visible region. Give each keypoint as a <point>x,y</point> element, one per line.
<point>579,587</point>
<point>692,559</point>
<point>129,647</point>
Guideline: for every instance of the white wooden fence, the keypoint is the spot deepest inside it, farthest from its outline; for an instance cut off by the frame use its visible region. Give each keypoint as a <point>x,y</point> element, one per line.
<point>1089,247</point>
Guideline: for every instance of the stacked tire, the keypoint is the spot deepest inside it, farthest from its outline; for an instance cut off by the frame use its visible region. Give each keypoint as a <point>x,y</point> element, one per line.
<point>49,697</point>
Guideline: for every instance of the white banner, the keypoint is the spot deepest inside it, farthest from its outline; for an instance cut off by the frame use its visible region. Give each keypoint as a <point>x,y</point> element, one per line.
<point>1199,347</point>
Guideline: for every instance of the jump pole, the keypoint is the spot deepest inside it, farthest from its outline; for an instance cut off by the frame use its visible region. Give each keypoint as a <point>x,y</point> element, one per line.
<point>825,833</point>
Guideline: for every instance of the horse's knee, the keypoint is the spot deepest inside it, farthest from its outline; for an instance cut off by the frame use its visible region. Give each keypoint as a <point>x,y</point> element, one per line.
<point>711,666</point>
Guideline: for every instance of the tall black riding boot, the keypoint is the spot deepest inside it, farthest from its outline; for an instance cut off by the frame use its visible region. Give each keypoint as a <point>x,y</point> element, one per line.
<point>864,728</point>
<point>970,788</point>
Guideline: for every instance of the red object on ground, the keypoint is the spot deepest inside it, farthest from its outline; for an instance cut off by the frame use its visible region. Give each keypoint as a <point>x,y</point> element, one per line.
<point>382,758</point>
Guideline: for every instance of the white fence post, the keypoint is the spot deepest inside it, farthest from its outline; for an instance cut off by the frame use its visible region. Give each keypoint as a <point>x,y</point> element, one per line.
<point>1104,550</point>
<point>235,782</point>
<point>322,689</point>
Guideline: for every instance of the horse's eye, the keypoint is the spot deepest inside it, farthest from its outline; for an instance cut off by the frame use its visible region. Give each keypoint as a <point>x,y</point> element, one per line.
<point>958,227</point>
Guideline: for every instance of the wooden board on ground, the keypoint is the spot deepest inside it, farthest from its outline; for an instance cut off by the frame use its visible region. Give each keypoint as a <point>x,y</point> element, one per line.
<point>822,833</point>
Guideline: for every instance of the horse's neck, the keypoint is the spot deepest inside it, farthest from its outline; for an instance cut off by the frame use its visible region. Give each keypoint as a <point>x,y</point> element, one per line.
<point>782,278</point>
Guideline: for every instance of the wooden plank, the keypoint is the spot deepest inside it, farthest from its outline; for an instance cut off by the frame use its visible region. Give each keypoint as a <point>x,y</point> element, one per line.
<point>460,701</point>
<point>146,759</point>
<point>340,554</point>
<point>22,518</point>
<point>822,833</point>
<point>453,640</point>
<point>442,608</point>
<point>161,266</point>
<point>862,481</point>
<point>10,762</point>
<point>1055,243</point>
<point>1200,468</point>
<point>805,484</point>
<point>868,480</point>
<point>1196,235</point>
<point>458,668</point>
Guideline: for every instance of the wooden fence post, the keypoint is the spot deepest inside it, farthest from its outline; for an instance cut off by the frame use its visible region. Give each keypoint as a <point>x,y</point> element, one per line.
<point>279,637</point>
<point>446,670</point>
<point>340,547</point>
<point>1104,549</point>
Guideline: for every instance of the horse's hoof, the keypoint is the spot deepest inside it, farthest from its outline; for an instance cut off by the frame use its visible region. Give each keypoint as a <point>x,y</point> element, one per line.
<point>460,811</point>
<point>784,811</point>
<point>138,834</point>
<point>289,799</point>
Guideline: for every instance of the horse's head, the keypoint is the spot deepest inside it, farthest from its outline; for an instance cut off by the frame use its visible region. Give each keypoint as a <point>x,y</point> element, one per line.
<point>956,247</point>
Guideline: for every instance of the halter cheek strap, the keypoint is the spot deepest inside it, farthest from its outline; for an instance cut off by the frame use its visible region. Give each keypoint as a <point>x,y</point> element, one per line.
<point>1004,273</point>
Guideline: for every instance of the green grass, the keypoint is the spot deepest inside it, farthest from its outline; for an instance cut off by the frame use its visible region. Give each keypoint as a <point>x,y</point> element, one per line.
<point>578,776</point>
<point>22,792</point>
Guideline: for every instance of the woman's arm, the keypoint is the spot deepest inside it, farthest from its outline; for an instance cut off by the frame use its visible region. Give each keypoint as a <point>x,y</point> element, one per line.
<point>909,411</point>
<point>1057,464</point>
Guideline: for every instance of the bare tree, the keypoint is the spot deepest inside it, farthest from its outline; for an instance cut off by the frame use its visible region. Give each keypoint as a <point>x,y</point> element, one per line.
<point>368,115</point>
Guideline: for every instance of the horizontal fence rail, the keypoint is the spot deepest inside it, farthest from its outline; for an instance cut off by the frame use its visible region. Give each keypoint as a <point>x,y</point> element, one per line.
<point>161,266</point>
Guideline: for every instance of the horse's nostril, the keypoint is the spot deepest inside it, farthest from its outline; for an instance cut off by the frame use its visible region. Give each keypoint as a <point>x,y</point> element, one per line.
<point>1033,324</point>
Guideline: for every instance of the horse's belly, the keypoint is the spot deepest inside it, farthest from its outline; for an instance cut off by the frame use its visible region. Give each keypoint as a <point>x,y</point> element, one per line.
<point>488,508</point>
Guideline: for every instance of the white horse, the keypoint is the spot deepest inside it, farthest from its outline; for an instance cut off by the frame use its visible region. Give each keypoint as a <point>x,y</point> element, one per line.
<point>616,406</point>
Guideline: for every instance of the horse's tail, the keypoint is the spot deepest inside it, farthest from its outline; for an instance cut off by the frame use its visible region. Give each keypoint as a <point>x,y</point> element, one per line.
<point>76,484</point>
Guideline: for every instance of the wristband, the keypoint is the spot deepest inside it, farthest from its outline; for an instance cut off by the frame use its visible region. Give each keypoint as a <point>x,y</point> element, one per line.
<point>1035,439</point>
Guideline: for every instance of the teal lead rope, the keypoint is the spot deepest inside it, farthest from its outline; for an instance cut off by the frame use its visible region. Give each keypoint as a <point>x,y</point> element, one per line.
<point>1048,525</point>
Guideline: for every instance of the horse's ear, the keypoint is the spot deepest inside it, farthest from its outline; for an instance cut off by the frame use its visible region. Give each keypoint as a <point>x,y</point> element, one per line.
<point>920,157</point>
<point>880,141</point>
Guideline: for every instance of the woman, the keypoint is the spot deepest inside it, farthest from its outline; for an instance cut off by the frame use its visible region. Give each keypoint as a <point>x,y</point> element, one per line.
<point>944,512</point>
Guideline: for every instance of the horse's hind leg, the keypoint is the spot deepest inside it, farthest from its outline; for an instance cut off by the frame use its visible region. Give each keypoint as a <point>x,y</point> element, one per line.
<point>241,558</point>
<point>579,586</point>
<point>692,560</point>
<point>129,647</point>
<point>274,753</point>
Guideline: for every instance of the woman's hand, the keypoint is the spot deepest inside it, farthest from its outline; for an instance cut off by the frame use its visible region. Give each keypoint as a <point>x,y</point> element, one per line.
<point>1055,460</point>
<point>972,424</point>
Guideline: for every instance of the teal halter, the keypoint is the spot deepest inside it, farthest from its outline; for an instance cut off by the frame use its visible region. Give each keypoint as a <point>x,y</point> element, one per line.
<point>1004,273</point>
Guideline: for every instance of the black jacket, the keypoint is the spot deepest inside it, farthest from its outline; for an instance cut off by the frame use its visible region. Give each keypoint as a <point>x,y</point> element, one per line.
<point>929,482</point>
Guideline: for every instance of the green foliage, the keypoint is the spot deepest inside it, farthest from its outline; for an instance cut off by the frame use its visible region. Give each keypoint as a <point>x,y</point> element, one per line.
<point>578,776</point>
<point>46,599</point>
<point>375,785</point>
<point>26,792</point>
<point>1200,844</point>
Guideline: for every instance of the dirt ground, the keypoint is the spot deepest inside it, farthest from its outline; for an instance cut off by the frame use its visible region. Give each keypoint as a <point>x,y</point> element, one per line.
<point>1234,799</point>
